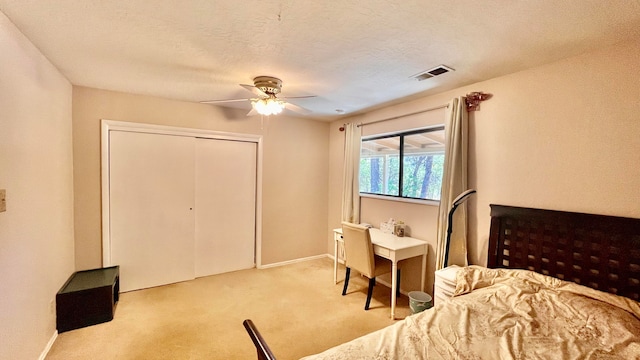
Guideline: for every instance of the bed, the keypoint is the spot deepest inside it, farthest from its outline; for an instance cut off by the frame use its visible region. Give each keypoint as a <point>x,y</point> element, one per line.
<point>559,285</point>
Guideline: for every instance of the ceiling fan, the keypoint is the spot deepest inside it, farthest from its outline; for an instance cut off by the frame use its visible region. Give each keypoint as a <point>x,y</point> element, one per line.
<point>266,103</point>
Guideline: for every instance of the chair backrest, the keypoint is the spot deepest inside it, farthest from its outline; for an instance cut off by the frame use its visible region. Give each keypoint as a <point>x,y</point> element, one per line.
<point>358,249</point>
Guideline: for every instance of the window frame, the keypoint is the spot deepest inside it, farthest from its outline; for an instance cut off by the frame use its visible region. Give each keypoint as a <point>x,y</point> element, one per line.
<point>401,135</point>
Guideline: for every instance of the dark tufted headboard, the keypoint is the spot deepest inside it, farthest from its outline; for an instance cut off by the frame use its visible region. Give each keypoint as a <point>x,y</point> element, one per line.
<point>599,251</point>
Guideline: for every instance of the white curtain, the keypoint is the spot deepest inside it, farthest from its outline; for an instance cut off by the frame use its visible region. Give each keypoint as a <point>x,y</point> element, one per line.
<point>454,182</point>
<point>351,174</point>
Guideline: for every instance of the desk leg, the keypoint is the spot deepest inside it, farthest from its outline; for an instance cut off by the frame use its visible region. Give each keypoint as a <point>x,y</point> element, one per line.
<point>424,270</point>
<point>335,260</point>
<point>394,285</point>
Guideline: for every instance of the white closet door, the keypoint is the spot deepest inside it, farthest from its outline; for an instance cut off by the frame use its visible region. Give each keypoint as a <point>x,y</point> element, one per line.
<point>151,203</point>
<point>225,206</point>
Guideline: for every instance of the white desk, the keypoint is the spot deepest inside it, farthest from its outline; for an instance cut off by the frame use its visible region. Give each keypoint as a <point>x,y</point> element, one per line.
<point>389,247</point>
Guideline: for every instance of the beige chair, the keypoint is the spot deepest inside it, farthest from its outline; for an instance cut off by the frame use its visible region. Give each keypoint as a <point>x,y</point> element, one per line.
<point>358,253</point>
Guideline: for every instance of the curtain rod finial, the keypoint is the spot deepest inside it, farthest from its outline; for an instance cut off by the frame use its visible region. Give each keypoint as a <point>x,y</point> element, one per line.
<point>473,100</point>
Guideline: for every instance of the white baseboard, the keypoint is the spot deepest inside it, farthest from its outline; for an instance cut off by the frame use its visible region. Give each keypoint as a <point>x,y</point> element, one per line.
<point>340,261</point>
<point>378,281</point>
<point>49,345</point>
<point>288,262</point>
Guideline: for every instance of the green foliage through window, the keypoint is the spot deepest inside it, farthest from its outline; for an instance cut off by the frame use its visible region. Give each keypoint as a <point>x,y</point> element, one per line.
<point>417,176</point>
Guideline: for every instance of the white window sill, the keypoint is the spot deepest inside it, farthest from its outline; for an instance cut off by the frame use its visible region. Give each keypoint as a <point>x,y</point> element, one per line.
<point>399,199</point>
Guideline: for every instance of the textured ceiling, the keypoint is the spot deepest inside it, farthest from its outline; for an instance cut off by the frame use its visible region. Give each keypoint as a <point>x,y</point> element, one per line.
<point>353,55</point>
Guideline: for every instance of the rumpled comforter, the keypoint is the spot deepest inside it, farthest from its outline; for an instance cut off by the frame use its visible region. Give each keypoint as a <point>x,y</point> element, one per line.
<point>508,314</point>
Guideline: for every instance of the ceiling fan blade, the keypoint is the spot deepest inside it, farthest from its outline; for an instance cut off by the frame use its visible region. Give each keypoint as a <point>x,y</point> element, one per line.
<point>252,112</point>
<point>296,108</point>
<point>255,90</point>
<point>222,101</point>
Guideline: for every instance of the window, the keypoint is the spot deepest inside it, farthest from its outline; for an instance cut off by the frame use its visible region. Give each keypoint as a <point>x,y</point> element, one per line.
<point>405,165</point>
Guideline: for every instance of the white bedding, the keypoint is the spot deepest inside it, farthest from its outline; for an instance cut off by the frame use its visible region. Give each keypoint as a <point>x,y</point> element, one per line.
<point>508,314</point>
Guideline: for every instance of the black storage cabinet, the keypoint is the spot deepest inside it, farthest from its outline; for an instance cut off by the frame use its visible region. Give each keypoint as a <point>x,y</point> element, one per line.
<point>89,297</point>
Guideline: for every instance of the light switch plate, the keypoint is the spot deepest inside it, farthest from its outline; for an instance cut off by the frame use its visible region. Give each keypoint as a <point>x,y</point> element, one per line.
<point>3,200</point>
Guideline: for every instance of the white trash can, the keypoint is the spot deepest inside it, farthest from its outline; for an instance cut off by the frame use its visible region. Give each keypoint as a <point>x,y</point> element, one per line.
<point>419,301</point>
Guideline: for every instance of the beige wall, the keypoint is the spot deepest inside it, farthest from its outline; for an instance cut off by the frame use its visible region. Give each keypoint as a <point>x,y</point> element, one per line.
<point>295,168</point>
<point>564,136</point>
<point>36,231</point>
<point>561,136</point>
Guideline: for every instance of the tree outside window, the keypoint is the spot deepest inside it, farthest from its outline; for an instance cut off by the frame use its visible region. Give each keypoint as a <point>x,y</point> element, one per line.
<point>418,175</point>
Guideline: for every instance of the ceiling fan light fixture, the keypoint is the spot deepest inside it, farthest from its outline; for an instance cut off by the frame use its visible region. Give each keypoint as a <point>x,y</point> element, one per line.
<point>269,106</point>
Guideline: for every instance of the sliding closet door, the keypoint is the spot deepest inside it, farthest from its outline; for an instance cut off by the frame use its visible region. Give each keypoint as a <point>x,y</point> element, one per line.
<point>151,208</point>
<point>225,206</point>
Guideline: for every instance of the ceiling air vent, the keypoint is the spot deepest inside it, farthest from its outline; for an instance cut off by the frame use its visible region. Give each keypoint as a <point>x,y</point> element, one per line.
<point>438,70</point>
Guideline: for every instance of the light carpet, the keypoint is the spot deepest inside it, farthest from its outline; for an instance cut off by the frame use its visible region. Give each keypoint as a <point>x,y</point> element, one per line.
<point>297,309</point>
